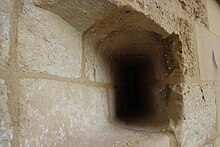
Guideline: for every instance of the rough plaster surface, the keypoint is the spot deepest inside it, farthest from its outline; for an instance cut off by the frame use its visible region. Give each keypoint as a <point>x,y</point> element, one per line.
<point>46,43</point>
<point>5,29</point>
<point>5,131</point>
<point>198,116</point>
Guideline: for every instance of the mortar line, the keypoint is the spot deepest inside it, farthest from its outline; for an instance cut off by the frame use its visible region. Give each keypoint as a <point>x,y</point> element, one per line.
<point>63,79</point>
<point>83,64</point>
<point>11,80</point>
<point>25,74</point>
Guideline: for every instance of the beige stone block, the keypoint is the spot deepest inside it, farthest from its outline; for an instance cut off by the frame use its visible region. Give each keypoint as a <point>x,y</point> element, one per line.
<point>5,29</point>
<point>208,46</point>
<point>5,131</point>
<point>47,43</point>
<point>98,68</point>
<point>80,14</point>
<point>217,142</point>
<point>193,9</point>
<point>198,114</point>
<point>213,9</point>
<point>150,140</point>
<point>157,140</point>
<point>59,112</point>
<point>208,145</point>
<point>217,94</point>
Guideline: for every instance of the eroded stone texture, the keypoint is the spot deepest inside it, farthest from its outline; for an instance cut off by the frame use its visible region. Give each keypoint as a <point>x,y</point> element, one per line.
<point>171,18</point>
<point>46,43</point>
<point>194,9</point>
<point>59,111</point>
<point>81,14</point>
<point>198,116</point>
<point>5,29</point>
<point>5,131</point>
<point>186,55</point>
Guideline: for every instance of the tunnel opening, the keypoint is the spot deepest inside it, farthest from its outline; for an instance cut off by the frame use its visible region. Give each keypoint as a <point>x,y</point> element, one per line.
<point>136,99</point>
<point>133,82</point>
<point>137,58</point>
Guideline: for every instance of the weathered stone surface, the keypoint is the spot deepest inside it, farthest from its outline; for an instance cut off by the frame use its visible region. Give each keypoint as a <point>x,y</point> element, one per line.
<point>217,142</point>
<point>213,10</point>
<point>46,43</point>
<point>65,114</point>
<point>208,145</point>
<point>198,113</point>
<point>150,140</point>
<point>217,94</point>
<point>209,54</point>
<point>57,111</point>
<point>98,68</point>
<point>125,32</point>
<point>187,54</point>
<point>79,13</point>
<point>5,29</point>
<point>5,131</point>
<point>194,9</point>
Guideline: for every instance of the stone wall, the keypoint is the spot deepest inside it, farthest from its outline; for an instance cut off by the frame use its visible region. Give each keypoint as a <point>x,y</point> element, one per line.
<point>58,64</point>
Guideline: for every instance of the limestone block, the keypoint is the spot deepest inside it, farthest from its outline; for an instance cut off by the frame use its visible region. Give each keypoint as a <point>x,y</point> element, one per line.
<point>79,13</point>
<point>155,141</point>
<point>217,94</point>
<point>60,112</point>
<point>217,142</point>
<point>5,29</point>
<point>98,68</point>
<point>46,43</point>
<point>5,131</point>
<point>208,46</point>
<point>150,140</point>
<point>198,114</point>
<point>213,9</point>
<point>194,9</point>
